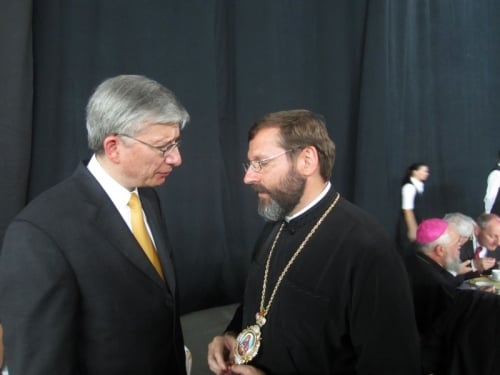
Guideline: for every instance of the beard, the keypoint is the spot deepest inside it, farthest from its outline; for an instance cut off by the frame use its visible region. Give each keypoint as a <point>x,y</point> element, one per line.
<point>283,199</point>
<point>452,264</point>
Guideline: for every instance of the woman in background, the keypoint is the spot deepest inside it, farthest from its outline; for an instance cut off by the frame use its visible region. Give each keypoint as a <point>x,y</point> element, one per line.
<point>411,191</point>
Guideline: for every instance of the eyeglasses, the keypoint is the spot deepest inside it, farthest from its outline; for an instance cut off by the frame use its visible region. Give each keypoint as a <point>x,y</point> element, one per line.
<point>257,165</point>
<point>165,150</point>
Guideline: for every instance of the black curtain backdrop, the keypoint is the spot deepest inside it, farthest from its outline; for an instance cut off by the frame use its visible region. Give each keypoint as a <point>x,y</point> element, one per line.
<point>397,81</point>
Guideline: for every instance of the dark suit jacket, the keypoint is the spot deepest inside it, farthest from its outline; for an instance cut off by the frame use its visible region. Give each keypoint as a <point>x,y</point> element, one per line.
<point>467,252</point>
<point>77,293</point>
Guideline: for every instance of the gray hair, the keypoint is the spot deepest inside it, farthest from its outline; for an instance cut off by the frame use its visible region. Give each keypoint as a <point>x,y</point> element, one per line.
<point>126,104</point>
<point>443,240</point>
<point>462,223</point>
<point>300,128</point>
<point>485,219</point>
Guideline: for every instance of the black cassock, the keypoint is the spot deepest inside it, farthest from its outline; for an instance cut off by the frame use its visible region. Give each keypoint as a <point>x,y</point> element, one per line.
<point>459,329</point>
<point>344,307</point>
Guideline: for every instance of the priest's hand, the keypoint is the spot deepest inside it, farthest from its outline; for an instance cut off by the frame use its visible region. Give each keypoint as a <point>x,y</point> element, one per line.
<point>220,355</point>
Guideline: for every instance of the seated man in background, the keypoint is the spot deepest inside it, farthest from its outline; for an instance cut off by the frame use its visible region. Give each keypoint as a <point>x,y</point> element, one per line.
<point>465,226</point>
<point>440,307</point>
<point>482,249</point>
<point>433,285</point>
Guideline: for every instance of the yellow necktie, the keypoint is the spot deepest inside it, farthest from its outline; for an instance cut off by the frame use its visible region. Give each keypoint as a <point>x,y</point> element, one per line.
<point>141,233</point>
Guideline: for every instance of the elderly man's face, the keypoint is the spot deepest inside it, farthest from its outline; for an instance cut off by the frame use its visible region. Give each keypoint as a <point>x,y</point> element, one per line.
<point>489,237</point>
<point>142,163</point>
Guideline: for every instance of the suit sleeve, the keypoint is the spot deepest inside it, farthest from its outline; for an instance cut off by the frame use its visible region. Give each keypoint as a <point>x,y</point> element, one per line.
<point>38,303</point>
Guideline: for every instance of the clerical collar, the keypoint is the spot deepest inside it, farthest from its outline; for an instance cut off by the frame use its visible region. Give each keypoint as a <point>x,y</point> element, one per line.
<point>312,204</point>
<point>419,185</point>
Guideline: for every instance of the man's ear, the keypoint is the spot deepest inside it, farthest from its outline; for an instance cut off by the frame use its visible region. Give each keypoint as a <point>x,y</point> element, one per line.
<point>308,160</point>
<point>111,146</point>
<point>439,250</point>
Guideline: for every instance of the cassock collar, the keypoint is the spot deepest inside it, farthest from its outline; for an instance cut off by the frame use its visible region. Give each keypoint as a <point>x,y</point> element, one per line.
<point>312,215</point>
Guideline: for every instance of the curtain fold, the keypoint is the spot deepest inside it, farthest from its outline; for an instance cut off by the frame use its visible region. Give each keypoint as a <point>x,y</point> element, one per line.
<point>16,91</point>
<point>397,81</point>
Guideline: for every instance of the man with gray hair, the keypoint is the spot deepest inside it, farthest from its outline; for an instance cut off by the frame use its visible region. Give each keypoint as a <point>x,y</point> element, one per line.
<point>441,307</point>
<point>465,227</point>
<point>87,284</point>
<point>481,250</point>
<point>433,285</point>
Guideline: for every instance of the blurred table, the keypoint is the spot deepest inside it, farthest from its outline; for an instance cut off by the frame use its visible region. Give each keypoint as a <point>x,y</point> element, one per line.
<point>483,281</point>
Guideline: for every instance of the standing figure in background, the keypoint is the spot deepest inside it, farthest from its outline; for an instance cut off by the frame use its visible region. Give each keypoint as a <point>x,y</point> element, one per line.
<point>87,283</point>
<point>492,196</point>
<point>409,218</point>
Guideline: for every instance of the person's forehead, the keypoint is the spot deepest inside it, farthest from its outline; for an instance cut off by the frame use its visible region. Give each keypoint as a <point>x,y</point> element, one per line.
<point>453,233</point>
<point>265,139</point>
<point>493,227</point>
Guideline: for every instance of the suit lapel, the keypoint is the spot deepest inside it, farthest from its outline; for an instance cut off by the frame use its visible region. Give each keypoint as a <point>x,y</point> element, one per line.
<point>107,221</point>
<point>161,242</point>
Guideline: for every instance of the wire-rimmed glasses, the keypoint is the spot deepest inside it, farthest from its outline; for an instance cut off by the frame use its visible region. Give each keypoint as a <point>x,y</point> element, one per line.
<point>258,165</point>
<point>165,150</point>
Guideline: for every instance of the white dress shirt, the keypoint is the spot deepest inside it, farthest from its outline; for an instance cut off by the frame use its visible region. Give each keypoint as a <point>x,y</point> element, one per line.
<point>493,184</point>
<point>409,191</point>
<point>119,195</point>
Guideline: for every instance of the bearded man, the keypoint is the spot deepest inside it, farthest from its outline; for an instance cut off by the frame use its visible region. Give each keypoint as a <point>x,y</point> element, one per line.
<point>441,308</point>
<point>326,287</point>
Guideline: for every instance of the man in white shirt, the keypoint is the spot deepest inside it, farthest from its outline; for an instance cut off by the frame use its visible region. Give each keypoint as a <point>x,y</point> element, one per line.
<point>493,185</point>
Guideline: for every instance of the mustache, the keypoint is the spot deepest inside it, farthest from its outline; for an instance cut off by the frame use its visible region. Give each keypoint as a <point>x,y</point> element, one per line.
<point>260,189</point>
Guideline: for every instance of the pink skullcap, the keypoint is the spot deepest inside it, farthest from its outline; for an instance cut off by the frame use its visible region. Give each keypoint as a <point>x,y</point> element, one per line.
<point>430,230</point>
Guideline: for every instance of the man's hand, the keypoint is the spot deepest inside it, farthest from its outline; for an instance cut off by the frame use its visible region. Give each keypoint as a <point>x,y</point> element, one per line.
<point>484,264</point>
<point>220,354</point>
<point>464,267</point>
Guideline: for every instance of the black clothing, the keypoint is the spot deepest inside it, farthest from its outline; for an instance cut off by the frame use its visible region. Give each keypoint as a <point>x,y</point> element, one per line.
<point>77,293</point>
<point>337,307</point>
<point>468,335</point>
<point>403,243</point>
<point>434,290</point>
<point>495,209</point>
<point>459,329</point>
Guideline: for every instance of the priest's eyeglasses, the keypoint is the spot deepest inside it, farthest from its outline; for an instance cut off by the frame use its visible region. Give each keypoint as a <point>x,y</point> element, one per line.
<point>165,150</point>
<point>258,165</point>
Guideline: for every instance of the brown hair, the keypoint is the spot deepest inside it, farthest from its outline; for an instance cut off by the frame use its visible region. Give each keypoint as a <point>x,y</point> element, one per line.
<point>300,128</point>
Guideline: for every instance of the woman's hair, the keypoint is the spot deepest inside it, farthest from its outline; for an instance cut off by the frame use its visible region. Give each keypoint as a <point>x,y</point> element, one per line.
<point>298,129</point>
<point>409,172</point>
<point>126,104</point>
